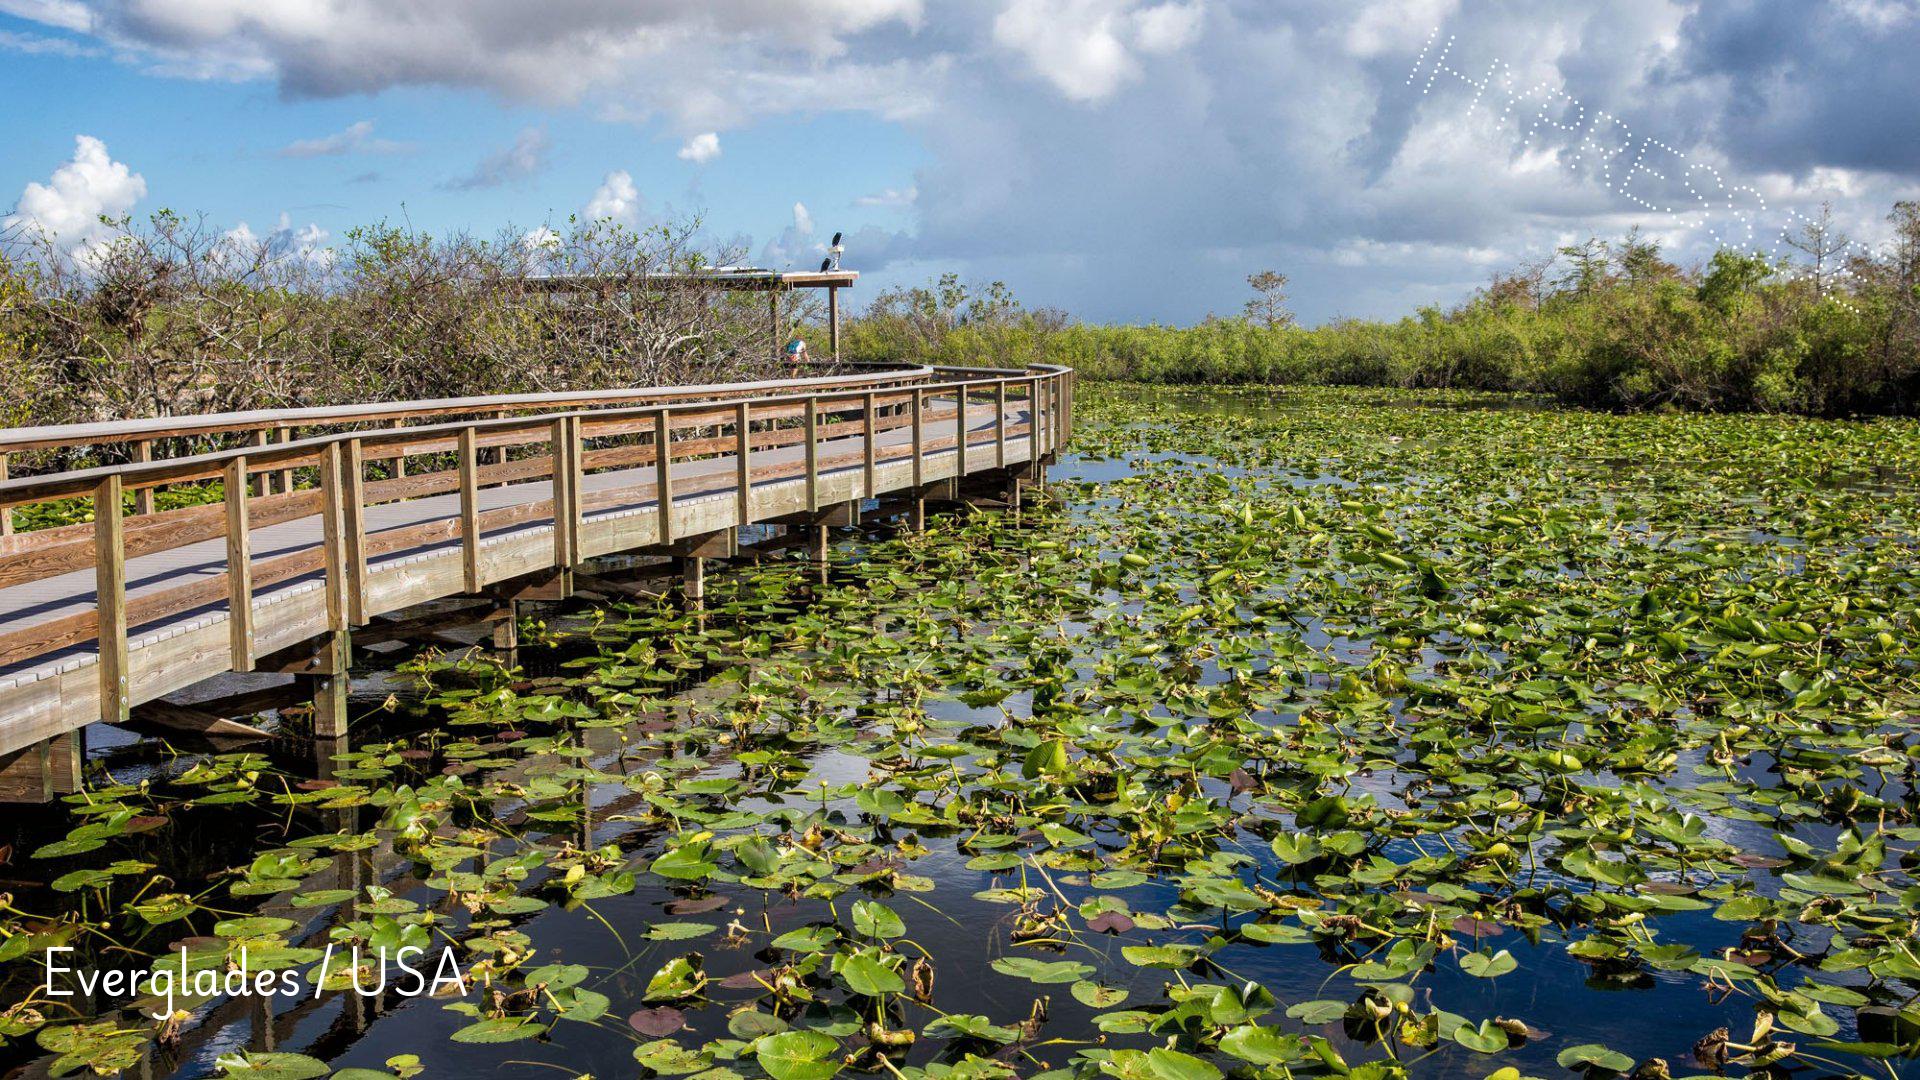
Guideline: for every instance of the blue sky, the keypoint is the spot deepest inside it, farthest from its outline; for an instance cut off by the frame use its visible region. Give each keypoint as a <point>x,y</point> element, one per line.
<point>1125,160</point>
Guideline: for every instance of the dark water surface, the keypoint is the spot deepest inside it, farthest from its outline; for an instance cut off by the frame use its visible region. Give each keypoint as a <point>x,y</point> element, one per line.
<point>956,915</point>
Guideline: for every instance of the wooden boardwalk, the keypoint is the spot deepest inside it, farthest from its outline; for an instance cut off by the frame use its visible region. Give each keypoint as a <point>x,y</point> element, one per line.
<point>318,536</point>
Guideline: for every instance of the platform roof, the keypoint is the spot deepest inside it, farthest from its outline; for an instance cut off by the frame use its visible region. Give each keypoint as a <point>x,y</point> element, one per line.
<point>744,279</point>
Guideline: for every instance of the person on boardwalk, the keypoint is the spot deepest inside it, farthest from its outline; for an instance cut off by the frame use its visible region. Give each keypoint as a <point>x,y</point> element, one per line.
<point>796,352</point>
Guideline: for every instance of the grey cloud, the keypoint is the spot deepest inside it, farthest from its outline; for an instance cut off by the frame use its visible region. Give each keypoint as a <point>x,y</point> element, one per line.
<point>525,157</point>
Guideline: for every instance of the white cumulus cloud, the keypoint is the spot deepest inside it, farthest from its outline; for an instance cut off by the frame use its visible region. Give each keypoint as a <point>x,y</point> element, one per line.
<point>702,148</point>
<point>306,244</point>
<point>1086,48</point>
<point>616,199</point>
<point>67,209</point>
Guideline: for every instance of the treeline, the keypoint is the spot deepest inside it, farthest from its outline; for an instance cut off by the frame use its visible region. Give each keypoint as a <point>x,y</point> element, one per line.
<point>169,317</point>
<point>1602,324</point>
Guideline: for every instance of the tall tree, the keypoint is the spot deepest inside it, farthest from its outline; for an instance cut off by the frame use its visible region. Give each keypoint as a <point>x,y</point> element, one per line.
<point>1906,241</point>
<point>1590,262</point>
<point>1269,304</point>
<point>1822,242</point>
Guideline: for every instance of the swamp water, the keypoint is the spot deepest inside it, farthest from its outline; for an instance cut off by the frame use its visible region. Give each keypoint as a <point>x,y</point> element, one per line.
<point>1305,734</point>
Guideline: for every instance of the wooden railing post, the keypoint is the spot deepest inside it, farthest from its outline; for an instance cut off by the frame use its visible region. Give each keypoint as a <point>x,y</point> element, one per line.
<point>960,429</point>
<point>663,472</point>
<point>872,445</point>
<point>284,480</point>
<point>333,529</point>
<point>400,458</point>
<point>469,510</point>
<point>239,566</point>
<point>6,516</point>
<point>265,482</point>
<point>330,679</point>
<point>1033,419</point>
<point>813,457</point>
<point>110,597</point>
<point>143,497</point>
<point>1000,424</point>
<point>743,459</point>
<point>919,396</point>
<point>353,491</point>
<point>566,493</point>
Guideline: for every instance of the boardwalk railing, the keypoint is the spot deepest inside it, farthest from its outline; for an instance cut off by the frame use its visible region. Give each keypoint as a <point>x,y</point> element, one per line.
<point>312,537</point>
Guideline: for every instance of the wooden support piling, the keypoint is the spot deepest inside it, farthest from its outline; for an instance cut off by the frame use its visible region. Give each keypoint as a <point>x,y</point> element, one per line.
<point>693,581</point>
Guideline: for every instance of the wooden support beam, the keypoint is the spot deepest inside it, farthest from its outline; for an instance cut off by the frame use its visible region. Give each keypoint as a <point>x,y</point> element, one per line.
<point>252,702</point>
<point>38,773</point>
<point>833,322</point>
<point>917,515</point>
<point>835,515</point>
<point>239,567</point>
<point>6,515</point>
<point>421,627</point>
<point>192,720</point>
<point>724,544</point>
<point>110,597</point>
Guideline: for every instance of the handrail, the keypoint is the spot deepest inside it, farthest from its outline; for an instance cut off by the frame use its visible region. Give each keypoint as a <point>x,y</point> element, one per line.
<point>27,490</point>
<point>49,436</point>
<point>808,414</point>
